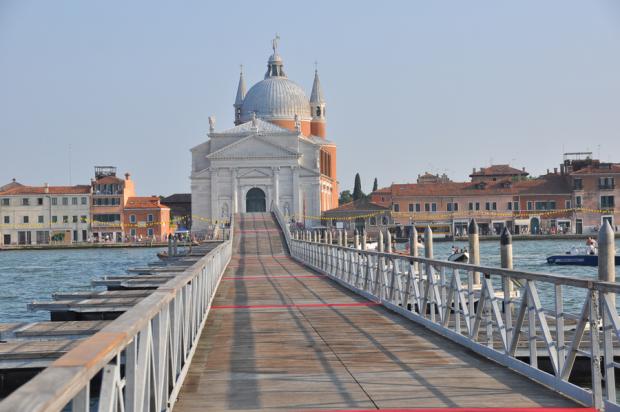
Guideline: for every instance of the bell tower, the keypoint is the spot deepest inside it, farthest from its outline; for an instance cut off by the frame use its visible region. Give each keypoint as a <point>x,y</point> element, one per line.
<point>317,106</point>
<point>239,98</point>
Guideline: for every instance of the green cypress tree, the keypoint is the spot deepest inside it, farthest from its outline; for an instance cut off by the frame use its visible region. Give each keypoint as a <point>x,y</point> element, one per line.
<point>357,188</point>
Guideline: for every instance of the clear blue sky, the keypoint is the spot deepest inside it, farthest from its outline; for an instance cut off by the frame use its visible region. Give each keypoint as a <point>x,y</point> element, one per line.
<point>411,86</point>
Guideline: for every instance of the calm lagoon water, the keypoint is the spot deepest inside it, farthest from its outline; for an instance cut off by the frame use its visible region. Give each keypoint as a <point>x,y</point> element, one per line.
<point>35,274</point>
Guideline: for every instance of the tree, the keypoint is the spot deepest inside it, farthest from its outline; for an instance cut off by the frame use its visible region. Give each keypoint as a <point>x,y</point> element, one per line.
<point>345,197</point>
<point>357,188</point>
<point>375,185</point>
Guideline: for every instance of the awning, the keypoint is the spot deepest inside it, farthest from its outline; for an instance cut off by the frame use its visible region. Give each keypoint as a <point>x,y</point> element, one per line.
<point>522,222</point>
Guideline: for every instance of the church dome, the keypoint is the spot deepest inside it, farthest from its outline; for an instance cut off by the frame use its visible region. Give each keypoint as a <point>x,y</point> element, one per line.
<point>276,98</point>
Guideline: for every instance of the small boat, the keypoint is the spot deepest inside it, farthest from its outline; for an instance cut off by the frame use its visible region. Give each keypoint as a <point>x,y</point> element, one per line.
<point>577,257</point>
<point>460,256</point>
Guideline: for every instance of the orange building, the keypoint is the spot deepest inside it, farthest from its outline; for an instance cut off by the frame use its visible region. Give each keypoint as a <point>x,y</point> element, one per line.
<point>145,218</point>
<point>110,194</point>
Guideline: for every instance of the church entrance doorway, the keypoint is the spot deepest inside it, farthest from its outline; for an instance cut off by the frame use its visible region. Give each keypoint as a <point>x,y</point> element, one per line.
<point>255,201</point>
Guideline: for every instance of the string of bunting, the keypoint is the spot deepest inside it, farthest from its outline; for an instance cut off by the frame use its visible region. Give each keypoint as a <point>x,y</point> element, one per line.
<point>178,220</point>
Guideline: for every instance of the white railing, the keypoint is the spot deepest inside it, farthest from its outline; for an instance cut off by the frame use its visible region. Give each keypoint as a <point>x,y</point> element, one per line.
<point>442,296</point>
<point>283,224</point>
<point>138,361</point>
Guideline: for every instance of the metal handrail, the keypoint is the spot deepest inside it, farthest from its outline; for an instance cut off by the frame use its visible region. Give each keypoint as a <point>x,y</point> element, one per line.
<point>443,296</point>
<point>153,342</point>
<point>282,222</point>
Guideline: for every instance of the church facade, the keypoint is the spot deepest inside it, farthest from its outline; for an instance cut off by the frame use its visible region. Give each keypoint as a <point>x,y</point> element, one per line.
<point>276,152</point>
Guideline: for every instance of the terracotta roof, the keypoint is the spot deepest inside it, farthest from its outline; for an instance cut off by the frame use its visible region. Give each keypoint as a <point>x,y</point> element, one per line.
<point>547,184</point>
<point>178,198</point>
<point>599,169</point>
<point>109,179</point>
<point>499,170</point>
<point>147,202</point>
<point>10,185</point>
<point>41,190</point>
<point>358,205</point>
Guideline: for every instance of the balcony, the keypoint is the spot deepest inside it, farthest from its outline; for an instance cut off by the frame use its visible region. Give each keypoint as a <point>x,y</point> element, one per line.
<point>611,186</point>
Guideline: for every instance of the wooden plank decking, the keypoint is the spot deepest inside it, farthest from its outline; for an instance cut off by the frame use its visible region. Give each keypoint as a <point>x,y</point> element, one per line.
<point>282,337</point>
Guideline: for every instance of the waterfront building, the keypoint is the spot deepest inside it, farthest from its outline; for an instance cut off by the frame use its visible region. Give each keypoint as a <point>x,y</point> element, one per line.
<point>361,214</point>
<point>495,173</point>
<point>594,191</point>
<point>180,205</point>
<point>276,152</point>
<point>145,218</point>
<point>109,196</point>
<point>577,198</point>
<point>35,215</point>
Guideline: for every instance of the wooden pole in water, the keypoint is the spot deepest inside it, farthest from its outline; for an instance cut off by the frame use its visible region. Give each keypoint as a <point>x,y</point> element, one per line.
<point>428,242</point>
<point>413,241</point>
<point>346,240</point>
<point>606,253</point>
<point>505,242</point>
<point>175,246</point>
<point>356,240</point>
<point>388,241</point>
<point>169,245</point>
<point>380,243</point>
<point>364,240</point>
<point>474,247</point>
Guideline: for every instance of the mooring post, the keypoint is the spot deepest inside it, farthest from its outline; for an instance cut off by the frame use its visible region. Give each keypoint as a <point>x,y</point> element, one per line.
<point>606,253</point>
<point>413,241</point>
<point>474,247</point>
<point>428,242</point>
<point>364,240</point>
<point>380,243</point>
<point>329,237</point>
<point>339,237</point>
<point>175,246</point>
<point>169,245</point>
<point>607,273</point>
<point>505,242</point>
<point>356,240</point>
<point>388,241</point>
<point>345,240</point>
<point>413,245</point>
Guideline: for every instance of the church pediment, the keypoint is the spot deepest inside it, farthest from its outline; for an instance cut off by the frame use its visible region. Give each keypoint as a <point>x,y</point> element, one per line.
<point>252,147</point>
<point>254,173</point>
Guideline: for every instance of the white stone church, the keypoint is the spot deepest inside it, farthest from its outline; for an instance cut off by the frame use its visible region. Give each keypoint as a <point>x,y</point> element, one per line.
<point>276,152</point>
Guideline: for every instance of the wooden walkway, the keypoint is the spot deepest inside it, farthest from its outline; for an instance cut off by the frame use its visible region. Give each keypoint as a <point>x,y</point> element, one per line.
<point>280,336</point>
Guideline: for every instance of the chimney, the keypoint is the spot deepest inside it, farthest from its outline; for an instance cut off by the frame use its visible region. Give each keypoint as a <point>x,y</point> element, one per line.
<point>547,171</point>
<point>473,170</point>
<point>555,170</point>
<point>523,168</point>
<point>47,187</point>
<point>127,175</point>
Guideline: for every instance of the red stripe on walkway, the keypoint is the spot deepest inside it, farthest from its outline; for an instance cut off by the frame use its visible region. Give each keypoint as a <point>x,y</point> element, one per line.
<point>297,305</point>
<point>464,410</point>
<point>274,277</point>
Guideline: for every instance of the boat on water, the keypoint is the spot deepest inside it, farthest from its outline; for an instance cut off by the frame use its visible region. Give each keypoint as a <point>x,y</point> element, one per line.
<point>459,256</point>
<point>578,257</point>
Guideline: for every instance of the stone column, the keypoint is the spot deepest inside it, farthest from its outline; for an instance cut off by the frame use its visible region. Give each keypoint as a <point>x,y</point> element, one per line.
<point>235,190</point>
<point>214,211</point>
<point>296,200</point>
<point>276,186</point>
